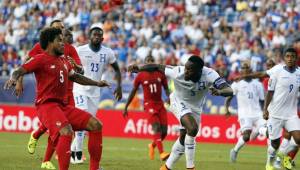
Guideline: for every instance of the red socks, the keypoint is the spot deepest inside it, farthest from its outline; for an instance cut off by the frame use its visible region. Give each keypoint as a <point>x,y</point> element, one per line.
<point>292,154</point>
<point>39,132</point>
<point>95,149</point>
<point>49,150</point>
<point>158,142</point>
<point>63,151</point>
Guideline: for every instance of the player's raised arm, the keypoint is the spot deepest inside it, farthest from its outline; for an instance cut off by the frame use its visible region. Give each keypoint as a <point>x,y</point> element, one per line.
<point>221,88</point>
<point>118,91</point>
<point>14,78</point>
<point>80,79</point>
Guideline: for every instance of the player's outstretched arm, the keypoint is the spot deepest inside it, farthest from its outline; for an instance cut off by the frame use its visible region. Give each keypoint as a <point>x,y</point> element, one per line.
<point>14,78</point>
<point>253,75</point>
<point>224,90</point>
<point>268,100</point>
<point>19,84</point>
<point>131,95</point>
<point>80,79</point>
<point>147,67</point>
<point>118,91</point>
<point>227,104</point>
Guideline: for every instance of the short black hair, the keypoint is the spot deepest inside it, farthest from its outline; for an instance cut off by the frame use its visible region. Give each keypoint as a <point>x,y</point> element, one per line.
<point>54,21</point>
<point>95,28</point>
<point>291,50</point>
<point>199,63</point>
<point>47,35</point>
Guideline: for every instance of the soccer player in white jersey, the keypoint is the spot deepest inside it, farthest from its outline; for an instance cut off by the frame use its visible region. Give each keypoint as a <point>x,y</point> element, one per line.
<point>250,98</point>
<point>192,83</point>
<point>95,59</point>
<point>280,108</point>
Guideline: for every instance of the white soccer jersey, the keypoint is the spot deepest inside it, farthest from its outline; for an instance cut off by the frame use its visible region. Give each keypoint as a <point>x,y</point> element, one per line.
<point>94,64</point>
<point>248,95</point>
<point>192,94</point>
<point>285,85</point>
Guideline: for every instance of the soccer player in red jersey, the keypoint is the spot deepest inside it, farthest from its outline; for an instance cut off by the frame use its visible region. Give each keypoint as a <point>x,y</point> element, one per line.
<point>70,53</point>
<point>52,72</point>
<point>152,82</point>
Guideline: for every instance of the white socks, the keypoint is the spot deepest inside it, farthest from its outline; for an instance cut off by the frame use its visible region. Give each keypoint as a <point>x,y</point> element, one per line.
<point>177,151</point>
<point>284,145</point>
<point>239,144</point>
<point>77,144</point>
<point>190,147</point>
<point>271,154</point>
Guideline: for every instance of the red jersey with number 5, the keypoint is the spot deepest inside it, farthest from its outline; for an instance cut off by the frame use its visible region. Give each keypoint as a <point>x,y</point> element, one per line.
<point>51,74</point>
<point>152,83</point>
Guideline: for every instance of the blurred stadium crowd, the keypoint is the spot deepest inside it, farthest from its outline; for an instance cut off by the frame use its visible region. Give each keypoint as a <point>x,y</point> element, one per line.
<point>223,32</point>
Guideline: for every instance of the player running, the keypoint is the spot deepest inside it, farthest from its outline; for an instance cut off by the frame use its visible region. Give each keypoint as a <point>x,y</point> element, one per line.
<point>95,59</point>
<point>52,71</point>
<point>152,82</point>
<point>280,107</point>
<point>250,98</point>
<point>191,82</point>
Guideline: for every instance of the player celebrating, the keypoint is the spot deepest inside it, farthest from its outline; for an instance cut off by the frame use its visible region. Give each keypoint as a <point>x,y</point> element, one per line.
<point>280,108</point>
<point>250,96</point>
<point>95,59</point>
<point>52,71</point>
<point>191,82</point>
<point>152,83</point>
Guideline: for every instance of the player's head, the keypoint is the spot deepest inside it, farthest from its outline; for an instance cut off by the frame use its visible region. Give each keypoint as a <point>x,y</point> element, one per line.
<point>290,57</point>
<point>149,60</point>
<point>193,68</point>
<point>57,24</point>
<point>96,35</point>
<point>245,68</point>
<point>52,39</point>
<point>270,63</point>
<point>68,36</point>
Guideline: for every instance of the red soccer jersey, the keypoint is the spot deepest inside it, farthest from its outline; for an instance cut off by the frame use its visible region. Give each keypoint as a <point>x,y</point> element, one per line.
<point>69,51</point>
<point>152,83</point>
<point>51,74</point>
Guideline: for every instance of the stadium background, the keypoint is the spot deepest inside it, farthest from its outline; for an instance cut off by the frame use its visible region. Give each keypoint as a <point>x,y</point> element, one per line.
<point>224,33</point>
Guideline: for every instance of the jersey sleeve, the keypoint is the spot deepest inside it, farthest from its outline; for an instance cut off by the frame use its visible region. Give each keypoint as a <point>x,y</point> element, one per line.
<point>272,70</point>
<point>111,57</point>
<point>137,80</point>
<point>234,87</point>
<point>272,82</point>
<point>33,64</point>
<point>173,71</point>
<point>37,49</point>
<point>214,78</point>
<point>74,54</point>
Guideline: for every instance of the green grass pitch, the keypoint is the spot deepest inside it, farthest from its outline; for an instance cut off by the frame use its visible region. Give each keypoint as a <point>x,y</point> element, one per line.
<point>130,154</point>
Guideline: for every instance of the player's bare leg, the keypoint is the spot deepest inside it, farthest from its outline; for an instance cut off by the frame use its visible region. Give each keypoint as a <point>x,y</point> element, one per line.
<point>241,142</point>
<point>94,127</point>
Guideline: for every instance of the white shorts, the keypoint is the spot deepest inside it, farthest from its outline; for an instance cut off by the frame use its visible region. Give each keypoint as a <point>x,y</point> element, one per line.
<point>86,103</point>
<point>275,126</point>
<point>180,108</point>
<point>250,123</point>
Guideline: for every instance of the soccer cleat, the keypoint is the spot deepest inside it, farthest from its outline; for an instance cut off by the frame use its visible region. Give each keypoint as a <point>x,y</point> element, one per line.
<point>285,161</point>
<point>233,155</point>
<point>164,167</point>
<point>164,156</point>
<point>47,165</point>
<point>269,167</point>
<point>151,151</point>
<point>293,163</point>
<point>32,144</point>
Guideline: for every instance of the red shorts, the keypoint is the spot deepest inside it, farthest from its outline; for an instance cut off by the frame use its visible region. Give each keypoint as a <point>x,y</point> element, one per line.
<point>71,99</point>
<point>55,116</point>
<point>157,113</point>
